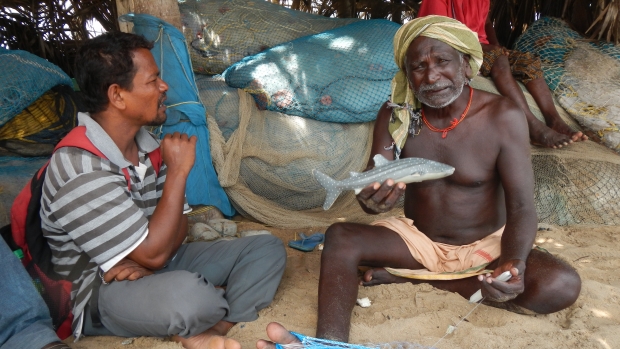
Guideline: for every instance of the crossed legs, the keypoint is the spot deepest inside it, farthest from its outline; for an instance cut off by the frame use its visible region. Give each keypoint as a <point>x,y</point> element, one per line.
<point>187,299</point>
<point>550,284</point>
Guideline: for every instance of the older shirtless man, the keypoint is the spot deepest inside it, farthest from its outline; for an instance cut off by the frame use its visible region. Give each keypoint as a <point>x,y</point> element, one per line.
<point>481,217</point>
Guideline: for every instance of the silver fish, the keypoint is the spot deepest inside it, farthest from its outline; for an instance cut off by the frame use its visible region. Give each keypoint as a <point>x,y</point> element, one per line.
<point>407,170</point>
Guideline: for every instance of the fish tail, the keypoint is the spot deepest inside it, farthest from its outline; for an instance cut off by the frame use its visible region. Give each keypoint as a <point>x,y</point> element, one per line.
<point>331,187</point>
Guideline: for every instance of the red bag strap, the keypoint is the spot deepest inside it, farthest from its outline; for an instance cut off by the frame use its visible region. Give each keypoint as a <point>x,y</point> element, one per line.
<point>77,138</point>
<point>156,160</point>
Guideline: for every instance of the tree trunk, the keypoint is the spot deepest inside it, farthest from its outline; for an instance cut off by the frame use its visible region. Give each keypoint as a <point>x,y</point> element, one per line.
<point>397,11</point>
<point>345,8</point>
<point>168,10</point>
<point>296,5</point>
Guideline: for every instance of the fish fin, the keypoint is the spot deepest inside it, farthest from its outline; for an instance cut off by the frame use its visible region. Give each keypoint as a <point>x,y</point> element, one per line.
<point>380,160</point>
<point>354,174</point>
<point>331,188</point>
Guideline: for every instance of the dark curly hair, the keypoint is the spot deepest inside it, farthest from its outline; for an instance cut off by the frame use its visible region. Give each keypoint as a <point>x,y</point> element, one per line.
<point>103,61</point>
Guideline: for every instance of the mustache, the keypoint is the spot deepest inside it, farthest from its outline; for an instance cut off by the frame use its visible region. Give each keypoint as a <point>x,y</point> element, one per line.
<point>162,98</point>
<point>436,86</point>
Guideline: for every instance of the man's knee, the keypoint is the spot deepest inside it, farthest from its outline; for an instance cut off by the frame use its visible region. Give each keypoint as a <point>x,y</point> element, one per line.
<point>501,68</point>
<point>272,247</point>
<point>340,238</point>
<point>556,286</point>
<point>196,305</point>
<point>337,233</point>
<point>193,293</point>
<point>562,288</point>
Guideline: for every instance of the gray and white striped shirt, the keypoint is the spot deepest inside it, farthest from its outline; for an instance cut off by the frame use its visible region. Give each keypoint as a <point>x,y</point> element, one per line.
<point>87,207</point>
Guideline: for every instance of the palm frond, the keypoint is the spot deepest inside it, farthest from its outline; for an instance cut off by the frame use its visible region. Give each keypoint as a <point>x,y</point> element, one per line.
<point>606,26</point>
<point>53,29</point>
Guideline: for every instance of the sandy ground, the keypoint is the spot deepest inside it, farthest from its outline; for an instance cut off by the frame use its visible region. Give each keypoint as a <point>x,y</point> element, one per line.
<point>421,314</point>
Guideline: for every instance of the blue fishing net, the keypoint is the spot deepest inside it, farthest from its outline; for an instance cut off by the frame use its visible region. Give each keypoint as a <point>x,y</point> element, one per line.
<point>341,75</point>
<point>580,184</point>
<point>552,40</point>
<point>185,113</point>
<point>24,77</point>
<point>307,342</point>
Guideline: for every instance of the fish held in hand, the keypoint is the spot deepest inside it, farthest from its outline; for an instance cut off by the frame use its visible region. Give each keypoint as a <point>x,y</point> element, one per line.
<point>407,170</point>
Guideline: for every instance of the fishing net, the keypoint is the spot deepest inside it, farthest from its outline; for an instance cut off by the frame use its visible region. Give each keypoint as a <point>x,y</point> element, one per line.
<point>221,101</point>
<point>46,120</point>
<point>583,75</point>
<point>222,32</point>
<point>574,185</point>
<point>319,343</point>
<point>341,75</point>
<point>264,161</point>
<point>24,77</point>
<point>265,164</point>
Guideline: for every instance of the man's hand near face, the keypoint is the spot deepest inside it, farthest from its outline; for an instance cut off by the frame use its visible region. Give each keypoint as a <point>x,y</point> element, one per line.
<point>178,152</point>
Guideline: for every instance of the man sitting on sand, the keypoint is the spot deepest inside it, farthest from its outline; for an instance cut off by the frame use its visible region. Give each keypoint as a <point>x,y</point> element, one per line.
<point>504,66</point>
<point>127,233</point>
<point>481,217</point>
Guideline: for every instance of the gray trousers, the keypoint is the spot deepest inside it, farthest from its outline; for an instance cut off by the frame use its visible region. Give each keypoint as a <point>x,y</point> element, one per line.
<point>181,299</point>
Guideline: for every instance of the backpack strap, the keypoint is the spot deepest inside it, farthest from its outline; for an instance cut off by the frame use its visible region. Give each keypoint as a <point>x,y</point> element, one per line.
<point>77,138</point>
<point>156,160</point>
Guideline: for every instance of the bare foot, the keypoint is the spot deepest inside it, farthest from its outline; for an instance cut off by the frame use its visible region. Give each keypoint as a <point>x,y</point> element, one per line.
<point>543,136</point>
<point>207,340</point>
<point>277,334</point>
<point>379,276</point>
<point>560,126</point>
<point>213,338</point>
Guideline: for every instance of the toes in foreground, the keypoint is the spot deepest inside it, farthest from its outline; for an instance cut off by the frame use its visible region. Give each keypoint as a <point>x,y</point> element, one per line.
<point>208,341</point>
<point>561,127</point>
<point>378,276</point>
<point>277,334</point>
<point>546,137</point>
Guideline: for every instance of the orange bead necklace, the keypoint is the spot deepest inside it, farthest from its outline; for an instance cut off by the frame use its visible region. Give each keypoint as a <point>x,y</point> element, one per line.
<point>454,123</point>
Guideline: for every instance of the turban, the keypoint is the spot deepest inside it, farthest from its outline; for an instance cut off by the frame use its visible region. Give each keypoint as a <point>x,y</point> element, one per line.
<point>444,29</point>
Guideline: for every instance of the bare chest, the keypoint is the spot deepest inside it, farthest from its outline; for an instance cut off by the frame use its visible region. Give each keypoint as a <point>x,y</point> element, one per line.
<point>473,158</point>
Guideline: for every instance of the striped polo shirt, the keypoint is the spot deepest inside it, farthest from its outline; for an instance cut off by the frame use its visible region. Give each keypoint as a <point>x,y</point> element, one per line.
<point>87,207</point>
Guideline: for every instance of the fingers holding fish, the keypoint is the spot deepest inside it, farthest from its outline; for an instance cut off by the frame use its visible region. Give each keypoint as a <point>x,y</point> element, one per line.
<point>381,198</point>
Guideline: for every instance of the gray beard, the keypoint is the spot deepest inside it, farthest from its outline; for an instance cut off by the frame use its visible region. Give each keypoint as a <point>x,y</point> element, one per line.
<point>457,88</point>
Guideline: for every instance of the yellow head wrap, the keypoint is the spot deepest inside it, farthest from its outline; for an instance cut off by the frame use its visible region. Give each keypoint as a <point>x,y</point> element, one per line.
<point>444,29</point>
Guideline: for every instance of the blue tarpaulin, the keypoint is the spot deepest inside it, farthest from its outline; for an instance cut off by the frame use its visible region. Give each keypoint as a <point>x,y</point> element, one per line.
<point>186,114</point>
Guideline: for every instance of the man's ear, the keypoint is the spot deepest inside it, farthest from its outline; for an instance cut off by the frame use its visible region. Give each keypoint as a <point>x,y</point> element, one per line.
<point>115,96</point>
<point>468,71</point>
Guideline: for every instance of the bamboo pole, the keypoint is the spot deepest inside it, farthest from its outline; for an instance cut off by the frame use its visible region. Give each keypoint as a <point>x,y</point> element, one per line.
<point>168,10</point>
